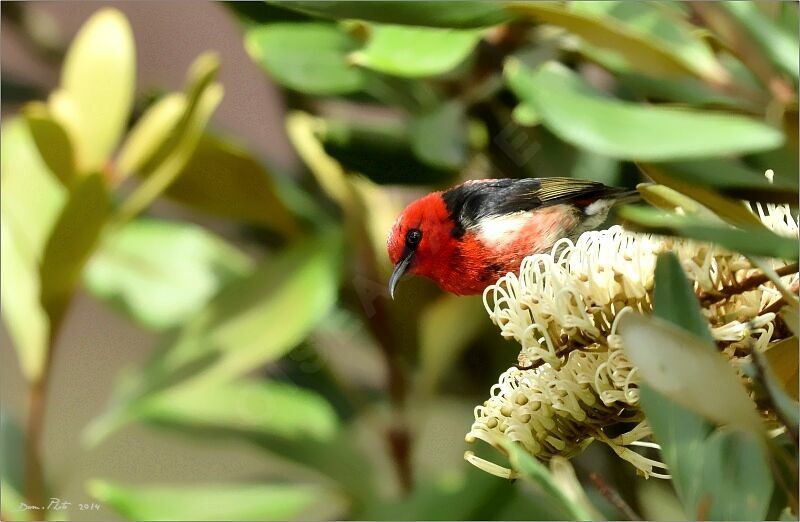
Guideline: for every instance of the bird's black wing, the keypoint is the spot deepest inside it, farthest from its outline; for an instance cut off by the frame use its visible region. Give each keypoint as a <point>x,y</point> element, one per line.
<point>472,201</point>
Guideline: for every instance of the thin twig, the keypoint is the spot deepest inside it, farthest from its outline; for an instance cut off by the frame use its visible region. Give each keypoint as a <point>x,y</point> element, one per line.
<point>613,496</point>
<point>750,283</point>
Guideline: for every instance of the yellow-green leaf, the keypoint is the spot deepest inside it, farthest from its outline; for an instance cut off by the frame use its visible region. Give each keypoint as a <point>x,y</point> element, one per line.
<point>55,146</point>
<point>99,78</point>
<point>783,360</point>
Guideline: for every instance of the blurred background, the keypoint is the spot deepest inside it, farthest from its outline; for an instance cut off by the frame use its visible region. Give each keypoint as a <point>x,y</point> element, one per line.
<point>217,341</point>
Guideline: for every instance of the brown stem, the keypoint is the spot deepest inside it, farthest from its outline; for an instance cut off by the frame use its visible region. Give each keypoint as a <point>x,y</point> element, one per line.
<point>34,472</point>
<point>613,497</point>
<point>750,283</point>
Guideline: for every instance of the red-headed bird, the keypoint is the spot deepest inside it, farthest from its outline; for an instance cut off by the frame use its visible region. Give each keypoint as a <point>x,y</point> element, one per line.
<point>467,237</point>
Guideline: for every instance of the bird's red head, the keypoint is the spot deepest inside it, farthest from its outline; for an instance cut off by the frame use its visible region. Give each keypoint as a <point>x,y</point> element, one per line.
<point>421,239</point>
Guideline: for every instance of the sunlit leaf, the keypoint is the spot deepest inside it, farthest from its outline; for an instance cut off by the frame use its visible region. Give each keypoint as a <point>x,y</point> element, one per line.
<point>247,407</point>
<point>728,177</point>
<point>746,240</point>
<point>224,179</point>
<point>580,115</point>
<point>216,501</point>
<point>151,132</point>
<point>306,56</point>
<point>436,13</point>
<point>162,272</point>
<point>525,115</point>
<point>30,201</point>
<point>99,77</point>
<point>683,368</point>
<point>52,141</point>
<point>782,357</point>
<point>668,199</point>
<point>446,327</point>
<point>439,137</point>
<point>779,45</point>
<point>72,242</point>
<point>415,51</point>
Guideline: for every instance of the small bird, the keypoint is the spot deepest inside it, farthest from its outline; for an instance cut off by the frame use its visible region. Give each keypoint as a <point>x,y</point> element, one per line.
<point>467,237</point>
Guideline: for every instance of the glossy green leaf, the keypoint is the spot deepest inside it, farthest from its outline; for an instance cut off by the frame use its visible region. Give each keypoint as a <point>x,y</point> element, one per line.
<point>226,180</point>
<point>252,408</point>
<point>310,57</point>
<point>436,13</point>
<point>141,149</point>
<point>735,212</point>
<point>52,141</point>
<point>162,272</point>
<point>727,177</point>
<point>439,137</point>
<point>72,242</point>
<point>31,199</point>
<point>98,79</point>
<point>581,116</point>
<point>415,51</point>
<point>779,45</point>
<point>748,241</point>
<point>661,28</point>
<point>446,327</point>
<point>605,33</point>
<point>682,367</point>
<point>215,502</point>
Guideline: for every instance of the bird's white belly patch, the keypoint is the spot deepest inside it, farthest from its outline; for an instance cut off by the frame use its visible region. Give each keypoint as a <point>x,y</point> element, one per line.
<point>501,230</point>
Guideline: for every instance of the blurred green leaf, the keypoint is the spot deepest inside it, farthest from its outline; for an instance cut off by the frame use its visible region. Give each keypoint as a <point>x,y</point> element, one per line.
<point>12,463</point>
<point>727,177</point>
<point>779,45</point>
<point>143,146</point>
<point>734,212</point>
<point>446,327</point>
<point>580,115</point>
<point>564,486</point>
<point>161,272</point>
<point>247,407</point>
<point>310,57</point>
<point>31,199</point>
<point>746,240</point>
<point>99,78</point>
<point>52,141</point>
<point>676,300</point>
<point>633,46</point>
<point>224,179</point>
<point>71,243</point>
<point>525,115</point>
<point>685,90</point>
<point>436,13</point>
<point>215,501</point>
<point>662,28</point>
<point>415,51</point>
<point>665,198</point>
<point>685,369</point>
<point>439,137</point>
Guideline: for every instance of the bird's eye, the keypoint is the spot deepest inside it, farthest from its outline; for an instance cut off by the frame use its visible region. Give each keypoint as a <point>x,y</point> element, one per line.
<point>413,237</point>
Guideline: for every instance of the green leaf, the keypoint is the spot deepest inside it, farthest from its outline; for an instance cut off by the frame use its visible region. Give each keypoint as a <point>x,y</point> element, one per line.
<point>604,33</point>
<point>684,90</point>
<point>144,144</point>
<point>687,370</point>
<point>579,115</point>
<point>661,28</point>
<point>727,177</point>
<point>779,45</point>
<point>446,327</point>
<point>98,79</point>
<point>668,199</point>
<point>161,272</point>
<point>225,180</point>
<point>746,240</point>
<point>30,201</point>
<point>525,115</point>
<point>52,141</point>
<point>216,502</point>
<point>674,299</point>
<point>436,13</point>
<point>310,57</point>
<point>252,408</point>
<point>415,51</point>
<point>439,137</point>
<point>71,243</point>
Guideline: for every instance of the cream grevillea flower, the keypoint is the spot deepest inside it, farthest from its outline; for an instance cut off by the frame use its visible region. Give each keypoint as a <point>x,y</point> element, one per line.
<point>563,309</point>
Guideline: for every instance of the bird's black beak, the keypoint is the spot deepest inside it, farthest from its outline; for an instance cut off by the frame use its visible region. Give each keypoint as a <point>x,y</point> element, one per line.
<point>400,269</point>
